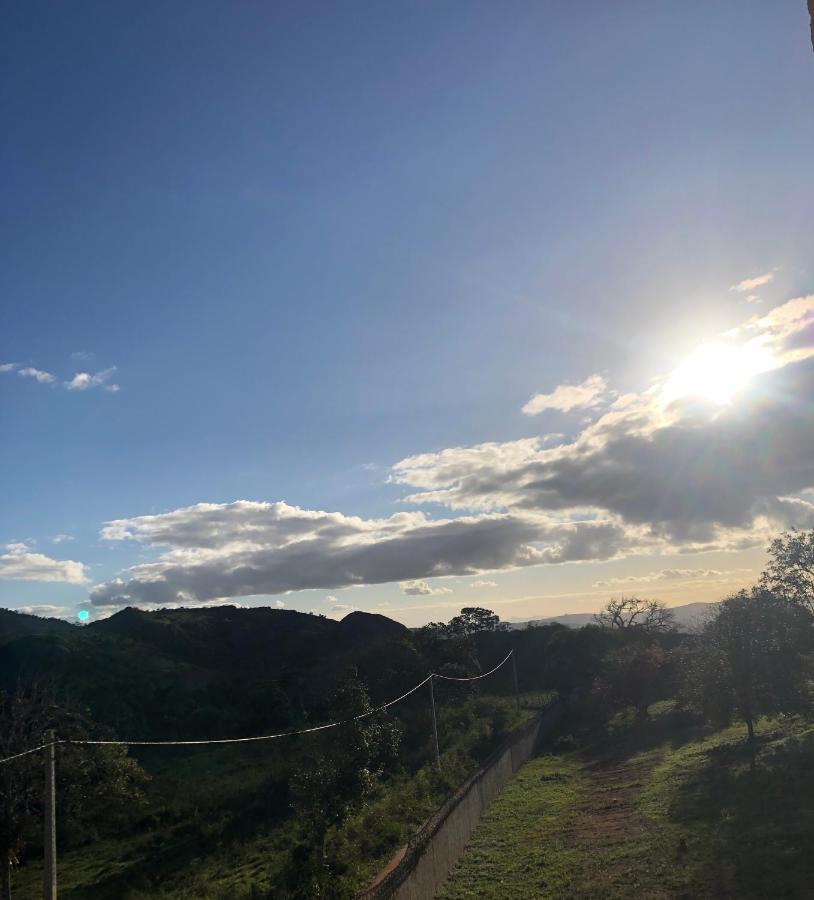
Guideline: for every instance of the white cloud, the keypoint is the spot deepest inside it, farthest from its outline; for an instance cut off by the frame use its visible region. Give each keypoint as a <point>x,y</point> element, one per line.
<point>483,584</point>
<point>45,611</point>
<point>647,476</point>
<point>722,575</point>
<point>8,367</point>
<point>330,598</point>
<point>84,381</point>
<point>569,396</point>
<point>344,608</point>
<point>61,538</point>
<point>19,563</point>
<point>279,604</point>
<point>37,375</point>
<point>691,474</point>
<point>750,284</point>
<point>422,589</point>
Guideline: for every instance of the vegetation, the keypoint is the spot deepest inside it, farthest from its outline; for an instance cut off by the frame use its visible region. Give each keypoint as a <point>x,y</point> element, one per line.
<point>672,743</point>
<point>683,761</point>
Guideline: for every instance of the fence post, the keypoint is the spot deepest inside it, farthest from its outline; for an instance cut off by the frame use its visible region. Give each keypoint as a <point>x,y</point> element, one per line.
<point>49,887</point>
<point>516,689</point>
<point>434,725</point>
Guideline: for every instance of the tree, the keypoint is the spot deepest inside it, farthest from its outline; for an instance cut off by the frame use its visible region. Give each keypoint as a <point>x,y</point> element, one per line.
<point>634,612</point>
<point>638,675</point>
<point>790,573</point>
<point>339,780</point>
<point>473,620</point>
<point>94,784</point>
<point>572,659</point>
<point>752,660</point>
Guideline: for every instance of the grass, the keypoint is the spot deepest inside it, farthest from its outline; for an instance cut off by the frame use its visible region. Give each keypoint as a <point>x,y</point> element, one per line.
<point>669,810</point>
<point>520,849</point>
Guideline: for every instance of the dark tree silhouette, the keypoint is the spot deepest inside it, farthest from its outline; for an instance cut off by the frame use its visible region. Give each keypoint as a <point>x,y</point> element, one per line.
<point>338,781</point>
<point>96,786</point>
<point>474,619</point>
<point>634,612</point>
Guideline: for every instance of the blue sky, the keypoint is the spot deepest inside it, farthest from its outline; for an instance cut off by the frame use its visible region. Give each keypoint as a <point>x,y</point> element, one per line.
<point>310,241</point>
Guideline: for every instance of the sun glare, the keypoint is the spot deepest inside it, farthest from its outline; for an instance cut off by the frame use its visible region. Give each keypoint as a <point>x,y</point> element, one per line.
<point>717,371</point>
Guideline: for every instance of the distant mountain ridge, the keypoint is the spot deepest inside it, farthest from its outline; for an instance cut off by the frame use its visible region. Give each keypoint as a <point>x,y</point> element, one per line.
<point>687,616</point>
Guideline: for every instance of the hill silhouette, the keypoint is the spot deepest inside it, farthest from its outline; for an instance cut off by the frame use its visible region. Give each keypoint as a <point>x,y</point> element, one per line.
<point>188,673</point>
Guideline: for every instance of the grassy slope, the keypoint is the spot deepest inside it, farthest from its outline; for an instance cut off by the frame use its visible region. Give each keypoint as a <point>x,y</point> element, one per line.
<point>212,840</point>
<point>671,812</point>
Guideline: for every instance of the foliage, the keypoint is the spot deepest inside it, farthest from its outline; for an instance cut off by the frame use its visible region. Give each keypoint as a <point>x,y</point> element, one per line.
<point>751,660</point>
<point>99,789</point>
<point>473,619</point>
<point>790,573</point>
<point>337,781</point>
<point>636,675</point>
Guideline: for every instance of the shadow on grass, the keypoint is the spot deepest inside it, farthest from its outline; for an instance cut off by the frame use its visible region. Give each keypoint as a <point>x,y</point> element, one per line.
<point>760,825</point>
<point>624,736</point>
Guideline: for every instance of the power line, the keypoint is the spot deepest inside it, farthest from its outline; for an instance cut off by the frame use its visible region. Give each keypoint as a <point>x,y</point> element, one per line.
<point>474,677</point>
<point>261,737</point>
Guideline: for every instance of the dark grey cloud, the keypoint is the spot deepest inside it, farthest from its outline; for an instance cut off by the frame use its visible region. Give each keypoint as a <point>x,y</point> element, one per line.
<point>710,469</point>
<point>337,552</point>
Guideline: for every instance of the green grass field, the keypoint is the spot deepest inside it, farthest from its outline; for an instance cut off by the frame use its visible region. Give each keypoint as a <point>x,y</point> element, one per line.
<point>668,811</point>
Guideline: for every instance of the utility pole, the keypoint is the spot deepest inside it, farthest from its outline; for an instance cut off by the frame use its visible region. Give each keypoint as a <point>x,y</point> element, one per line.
<point>435,726</point>
<point>49,887</point>
<point>516,689</point>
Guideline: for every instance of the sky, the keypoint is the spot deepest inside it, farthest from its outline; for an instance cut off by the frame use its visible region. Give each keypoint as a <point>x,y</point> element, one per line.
<point>402,307</point>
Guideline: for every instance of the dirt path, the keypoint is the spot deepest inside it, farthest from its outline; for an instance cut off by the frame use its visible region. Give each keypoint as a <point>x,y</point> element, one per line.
<point>608,829</point>
<point>567,827</point>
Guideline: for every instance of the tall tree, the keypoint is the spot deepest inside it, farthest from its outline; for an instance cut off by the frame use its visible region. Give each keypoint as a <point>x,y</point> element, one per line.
<point>753,659</point>
<point>338,780</point>
<point>790,572</point>
<point>473,620</point>
<point>635,612</point>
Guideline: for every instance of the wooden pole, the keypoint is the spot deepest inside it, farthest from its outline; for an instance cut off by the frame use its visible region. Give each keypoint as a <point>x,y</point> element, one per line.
<point>516,689</point>
<point>49,887</point>
<point>435,726</point>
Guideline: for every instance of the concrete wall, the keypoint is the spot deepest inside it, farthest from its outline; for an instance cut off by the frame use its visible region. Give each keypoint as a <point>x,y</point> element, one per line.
<point>436,847</point>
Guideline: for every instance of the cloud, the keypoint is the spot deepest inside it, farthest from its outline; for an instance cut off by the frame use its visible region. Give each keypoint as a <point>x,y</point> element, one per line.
<point>483,584</point>
<point>279,604</point>
<point>84,381</point>
<point>329,598</point>
<point>675,575</point>
<point>37,375</point>
<point>569,396</point>
<point>249,547</point>
<point>653,474</point>
<point>344,608</point>
<point>81,381</point>
<point>61,538</point>
<point>690,473</point>
<point>19,563</point>
<point>45,611</point>
<point>750,284</point>
<point>422,589</point>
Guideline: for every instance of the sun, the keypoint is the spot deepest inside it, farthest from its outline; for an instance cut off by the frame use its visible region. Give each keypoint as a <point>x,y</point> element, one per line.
<point>717,372</point>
